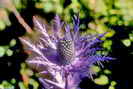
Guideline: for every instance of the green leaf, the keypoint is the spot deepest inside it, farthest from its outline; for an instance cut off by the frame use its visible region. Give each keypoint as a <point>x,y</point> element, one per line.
<point>106,71</point>
<point>2,25</point>
<point>2,51</point>
<point>126,42</point>
<point>95,68</point>
<point>113,83</point>
<point>9,52</point>
<point>12,43</point>
<point>102,80</point>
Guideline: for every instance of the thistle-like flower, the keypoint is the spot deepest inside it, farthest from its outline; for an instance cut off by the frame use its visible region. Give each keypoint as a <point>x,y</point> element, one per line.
<point>63,57</point>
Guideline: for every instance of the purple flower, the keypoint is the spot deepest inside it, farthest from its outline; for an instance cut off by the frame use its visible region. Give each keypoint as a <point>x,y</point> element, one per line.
<point>64,56</point>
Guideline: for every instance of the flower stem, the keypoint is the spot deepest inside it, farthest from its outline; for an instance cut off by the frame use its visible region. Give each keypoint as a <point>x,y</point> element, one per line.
<point>22,22</point>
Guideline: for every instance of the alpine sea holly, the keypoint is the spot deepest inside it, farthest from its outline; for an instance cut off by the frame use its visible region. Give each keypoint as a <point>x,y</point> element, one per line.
<point>63,57</point>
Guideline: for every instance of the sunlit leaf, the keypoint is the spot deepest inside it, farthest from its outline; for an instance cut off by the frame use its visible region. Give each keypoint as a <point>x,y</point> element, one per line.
<point>12,42</point>
<point>13,81</point>
<point>126,42</point>
<point>1,86</point>
<point>95,68</point>
<point>106,71</point>
<point>2,51</point>
<point>2,25</point>
<point>102,80</point>
<point>21,85</point>
<point>9,52</point>
<point>111,87</point>
<point>113,83</point>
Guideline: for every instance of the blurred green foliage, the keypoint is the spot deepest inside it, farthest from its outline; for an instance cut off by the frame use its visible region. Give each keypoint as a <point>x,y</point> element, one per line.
<point>99,14</point>
<point>5,50</point>
<point>27,80</point>
<point>102,80</point>
<point>103,77</point>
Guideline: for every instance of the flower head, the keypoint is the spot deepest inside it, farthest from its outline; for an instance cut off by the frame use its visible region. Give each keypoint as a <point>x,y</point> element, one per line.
<point>64,56</point>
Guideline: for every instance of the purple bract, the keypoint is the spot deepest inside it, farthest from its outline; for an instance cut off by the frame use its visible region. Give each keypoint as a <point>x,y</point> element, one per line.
<point>64,56</point>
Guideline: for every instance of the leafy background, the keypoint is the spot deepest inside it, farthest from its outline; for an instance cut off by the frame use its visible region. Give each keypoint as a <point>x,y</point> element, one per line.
<point>97,16</point>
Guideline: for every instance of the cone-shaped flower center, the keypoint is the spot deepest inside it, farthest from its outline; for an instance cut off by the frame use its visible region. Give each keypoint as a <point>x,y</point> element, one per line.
<point>66,51</point>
